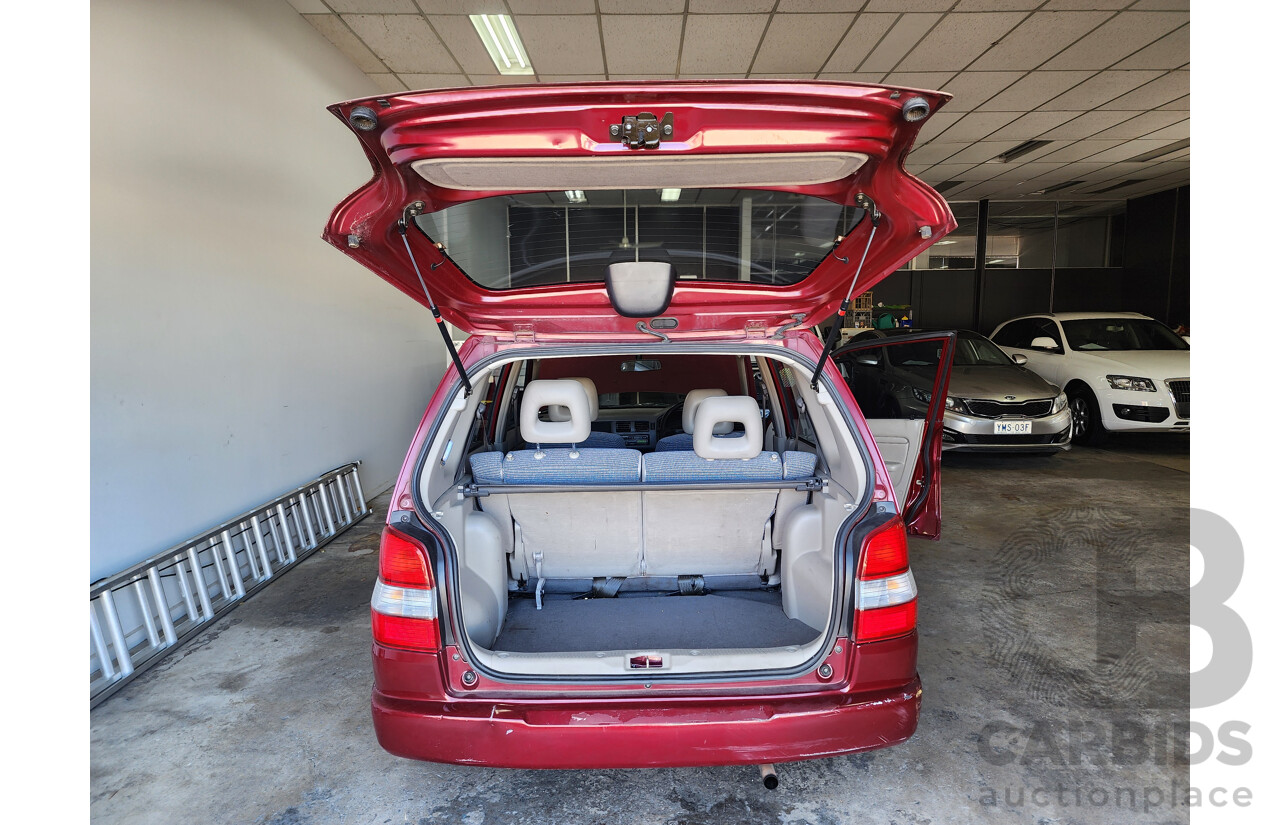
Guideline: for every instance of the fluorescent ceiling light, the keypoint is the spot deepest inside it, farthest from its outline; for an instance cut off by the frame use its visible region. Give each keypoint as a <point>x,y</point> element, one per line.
<point>575,196</point>
<point>498,34</point>
<point>670,194</point>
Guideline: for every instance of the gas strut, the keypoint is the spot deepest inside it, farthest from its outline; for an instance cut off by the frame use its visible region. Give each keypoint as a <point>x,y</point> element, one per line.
<point>411,211</point>
<point>834,333</point>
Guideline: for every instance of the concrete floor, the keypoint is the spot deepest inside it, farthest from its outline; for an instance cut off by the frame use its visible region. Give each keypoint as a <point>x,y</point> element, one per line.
<point>1054,652</point>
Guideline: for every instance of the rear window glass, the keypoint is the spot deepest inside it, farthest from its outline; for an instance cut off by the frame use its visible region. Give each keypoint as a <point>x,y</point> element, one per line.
<point>543,238</point>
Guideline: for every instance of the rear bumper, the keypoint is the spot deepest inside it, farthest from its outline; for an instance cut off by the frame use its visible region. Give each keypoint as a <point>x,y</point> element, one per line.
<point>586,734</point>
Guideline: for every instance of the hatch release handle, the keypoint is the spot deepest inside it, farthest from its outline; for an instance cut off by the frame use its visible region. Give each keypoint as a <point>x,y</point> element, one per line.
<point>643,131</point>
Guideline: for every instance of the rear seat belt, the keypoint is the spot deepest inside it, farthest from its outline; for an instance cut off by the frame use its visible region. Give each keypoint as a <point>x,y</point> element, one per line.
<point>605,587</point>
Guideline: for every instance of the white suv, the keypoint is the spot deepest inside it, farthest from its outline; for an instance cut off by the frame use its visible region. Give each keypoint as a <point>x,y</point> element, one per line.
<point>1122,371</point>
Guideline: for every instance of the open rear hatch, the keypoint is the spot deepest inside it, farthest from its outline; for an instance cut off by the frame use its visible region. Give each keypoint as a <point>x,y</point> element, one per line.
<point>827,142</point>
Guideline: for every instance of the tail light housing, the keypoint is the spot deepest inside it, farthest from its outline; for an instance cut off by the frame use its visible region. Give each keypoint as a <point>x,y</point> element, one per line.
<point>404,600</point>
<point>886,595</point>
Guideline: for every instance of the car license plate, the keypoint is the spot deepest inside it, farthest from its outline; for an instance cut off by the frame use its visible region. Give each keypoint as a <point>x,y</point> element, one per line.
<point>1013,428</point>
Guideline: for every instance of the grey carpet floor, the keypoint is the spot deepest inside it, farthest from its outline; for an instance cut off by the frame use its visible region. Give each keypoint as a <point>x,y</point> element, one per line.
<point>644,622</point>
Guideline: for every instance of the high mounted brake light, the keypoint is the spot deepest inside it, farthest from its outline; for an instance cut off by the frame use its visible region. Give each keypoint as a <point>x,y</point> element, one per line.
<point>886,594</point>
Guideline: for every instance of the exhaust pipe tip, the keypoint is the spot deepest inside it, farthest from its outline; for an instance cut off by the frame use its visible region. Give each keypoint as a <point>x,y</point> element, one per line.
<point>769,776</point>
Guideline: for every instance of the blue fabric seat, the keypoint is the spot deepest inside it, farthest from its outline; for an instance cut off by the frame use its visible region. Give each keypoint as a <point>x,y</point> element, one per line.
<point>798,464</point>
<point>598,439</point>
<point>687,466</point>
<point>557,465</point>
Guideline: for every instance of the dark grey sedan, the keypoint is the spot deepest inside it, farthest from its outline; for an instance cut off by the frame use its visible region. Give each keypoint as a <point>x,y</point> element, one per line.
<point>994,403</point>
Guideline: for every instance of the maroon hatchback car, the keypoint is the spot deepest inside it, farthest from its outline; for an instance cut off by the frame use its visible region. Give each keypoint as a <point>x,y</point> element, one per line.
<point>643,522</point>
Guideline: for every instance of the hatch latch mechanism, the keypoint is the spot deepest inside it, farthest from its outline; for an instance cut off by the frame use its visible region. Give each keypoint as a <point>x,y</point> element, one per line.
<point>643,131</point>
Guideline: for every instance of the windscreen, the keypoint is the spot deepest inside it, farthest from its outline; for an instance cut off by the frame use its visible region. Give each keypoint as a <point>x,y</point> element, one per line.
<point>543,238</point>
<point>1121,334</point>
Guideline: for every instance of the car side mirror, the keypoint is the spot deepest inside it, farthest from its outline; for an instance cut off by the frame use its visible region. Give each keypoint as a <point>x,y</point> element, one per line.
<point>1019,359</point>
<point>1044,342</point>
<point>868,360</point>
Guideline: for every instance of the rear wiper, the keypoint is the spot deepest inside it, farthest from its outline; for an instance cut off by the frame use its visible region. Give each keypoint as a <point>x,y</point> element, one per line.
<point>833,334</point>
<point>410,212</point>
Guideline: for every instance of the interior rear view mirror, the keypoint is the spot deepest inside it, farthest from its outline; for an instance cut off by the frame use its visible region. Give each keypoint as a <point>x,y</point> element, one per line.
<point>868,360</point>
<point>641,365</point>
<point>1044,342</point>
<point>1019,359</point>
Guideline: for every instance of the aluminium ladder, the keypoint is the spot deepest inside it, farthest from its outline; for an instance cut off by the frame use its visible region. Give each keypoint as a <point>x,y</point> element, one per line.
<point>138,616</point>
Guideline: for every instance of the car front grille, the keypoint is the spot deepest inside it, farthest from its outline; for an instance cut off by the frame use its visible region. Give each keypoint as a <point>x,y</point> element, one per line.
<point>1181,392</point>
<point>995,409</point>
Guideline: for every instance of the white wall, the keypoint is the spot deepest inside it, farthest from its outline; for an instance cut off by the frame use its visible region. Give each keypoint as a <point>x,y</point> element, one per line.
<point>234,355</point>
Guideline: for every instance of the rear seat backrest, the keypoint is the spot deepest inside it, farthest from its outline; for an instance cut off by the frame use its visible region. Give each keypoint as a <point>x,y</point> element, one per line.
<point>575,535</point>
<point>684,440</point>
<point>594,438</point>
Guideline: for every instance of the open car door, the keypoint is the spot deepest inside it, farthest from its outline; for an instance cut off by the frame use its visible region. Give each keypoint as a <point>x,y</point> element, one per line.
<point>900,383</point>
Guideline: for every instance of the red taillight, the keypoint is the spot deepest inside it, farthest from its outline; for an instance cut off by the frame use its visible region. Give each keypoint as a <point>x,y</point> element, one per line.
<point>886,589</point>
<point>404,600</point>
<point>884,551</point>
<point>403,561</point>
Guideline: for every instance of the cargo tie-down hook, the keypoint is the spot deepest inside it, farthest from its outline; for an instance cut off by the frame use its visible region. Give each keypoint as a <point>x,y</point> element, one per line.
<point>412,211</point>
<point>833,334</point>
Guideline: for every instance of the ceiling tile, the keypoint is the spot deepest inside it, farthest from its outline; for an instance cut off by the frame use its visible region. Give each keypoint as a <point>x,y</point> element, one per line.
<point>1147,124</point>
<point>799,42</point>
<point>632,7</point>
<point>1182,104</point>
<point>971,89</point>
<point>856,77</point>
<point>1156,93</point>
<point>552,6</point>
<point>1025,171</point>
<point>919,80</point>
<point>337,33</point>
<point>1116,39</point>
<point>388,83</point>
<point>937,125</point>
<point>568,78</point>
<point>1085,5</point>
<point>977,125</point>
<point>1081,150</point>
<point>712,76</point>
<point>858,43</point>
<point>982,151</point>
<point>502,79</point>
<point>1038,37</point>
<point>1169,52</point>
<point>1130,149</point>
<point>997,5</point>
<point>309,6</point>
<point>642,77</point>
<point>900,40</point>
<point>1099,89</point>
<point>798,6</point>
<point>434,81</point>
<point>1032,90</point>
<point>1163,5</point>
<point>465,45</point>
<point>729,6</point>
<point>634,43</point>
<point>1085,124</point>
<point>720,42</point>
<point>434,7</point>
<point>1033,125</point>
<point>958,39</point>
<point>1175,131</point>
<point>404,42</point>
<point>373,6</point>
<point>908,5</point>
<point>946,171</point>
<point>562,44</point>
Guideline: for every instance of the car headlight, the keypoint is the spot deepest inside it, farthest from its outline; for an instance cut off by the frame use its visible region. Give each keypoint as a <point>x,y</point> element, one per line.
<point>956,405</point>
<point>1129,382</point>
<point>1059,403</point>
<point>922,396</point>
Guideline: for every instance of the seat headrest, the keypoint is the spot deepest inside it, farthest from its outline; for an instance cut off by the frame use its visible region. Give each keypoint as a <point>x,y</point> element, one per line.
<point>565,393</point>
<point>691,402</point>
<point>559,413</point>
<point>728,410</point>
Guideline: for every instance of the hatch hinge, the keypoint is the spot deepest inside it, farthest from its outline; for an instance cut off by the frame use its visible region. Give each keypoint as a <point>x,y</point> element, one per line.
<point>756,328</point>
<point>643,131</point>
<point>524,333</point>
